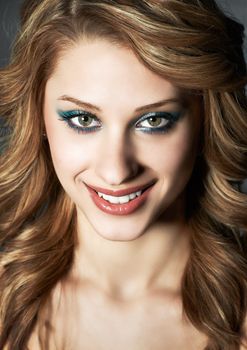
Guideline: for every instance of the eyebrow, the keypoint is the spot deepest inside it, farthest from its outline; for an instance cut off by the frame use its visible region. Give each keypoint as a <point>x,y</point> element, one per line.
<point>94,108</point>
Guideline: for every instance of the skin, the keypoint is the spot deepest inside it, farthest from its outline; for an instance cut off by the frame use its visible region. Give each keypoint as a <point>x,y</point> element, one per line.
<point>127,269</point>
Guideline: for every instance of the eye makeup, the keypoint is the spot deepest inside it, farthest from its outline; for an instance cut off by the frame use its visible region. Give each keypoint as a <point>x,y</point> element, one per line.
<point>150,123</point>
<point>80,120</point>
<point>166,121</point>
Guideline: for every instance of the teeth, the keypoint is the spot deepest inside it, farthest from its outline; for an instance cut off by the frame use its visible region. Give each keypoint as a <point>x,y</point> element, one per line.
<point>119,200</point>
<point>132,195</point>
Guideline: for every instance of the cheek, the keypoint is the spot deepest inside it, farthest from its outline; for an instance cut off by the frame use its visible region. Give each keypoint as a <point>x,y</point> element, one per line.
<point>175,155</point>
<point>69,151</point>
<point>69,157</point>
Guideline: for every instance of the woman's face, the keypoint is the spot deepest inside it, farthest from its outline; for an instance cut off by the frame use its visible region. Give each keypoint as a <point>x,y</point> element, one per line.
<point>113,125</point>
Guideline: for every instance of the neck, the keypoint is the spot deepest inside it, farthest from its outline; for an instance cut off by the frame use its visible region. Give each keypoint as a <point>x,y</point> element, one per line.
<point>155,260</point>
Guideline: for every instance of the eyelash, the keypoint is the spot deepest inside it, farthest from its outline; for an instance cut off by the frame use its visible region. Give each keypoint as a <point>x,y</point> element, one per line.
<point>170,117</point>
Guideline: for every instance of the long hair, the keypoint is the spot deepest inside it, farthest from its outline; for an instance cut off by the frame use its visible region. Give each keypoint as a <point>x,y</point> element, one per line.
<point>194,45</point>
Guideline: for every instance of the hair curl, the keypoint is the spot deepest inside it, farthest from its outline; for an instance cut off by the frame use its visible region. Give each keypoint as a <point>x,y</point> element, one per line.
<point>193,44</point>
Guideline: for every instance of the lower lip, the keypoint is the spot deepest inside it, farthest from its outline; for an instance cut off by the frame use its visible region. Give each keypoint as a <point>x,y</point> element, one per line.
<point>119,209</point>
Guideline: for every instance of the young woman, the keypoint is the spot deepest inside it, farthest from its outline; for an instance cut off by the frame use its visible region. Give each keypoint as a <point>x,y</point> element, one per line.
<point>122,226</point>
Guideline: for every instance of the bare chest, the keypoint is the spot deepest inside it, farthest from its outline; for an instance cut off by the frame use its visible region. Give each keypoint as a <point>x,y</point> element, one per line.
<point>97,324</point>
<point>110,333</point>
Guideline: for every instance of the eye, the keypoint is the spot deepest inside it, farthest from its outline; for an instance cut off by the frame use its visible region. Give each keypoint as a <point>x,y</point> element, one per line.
<point>157,122</point>
<point>81,121</point>
<point>154,122</point>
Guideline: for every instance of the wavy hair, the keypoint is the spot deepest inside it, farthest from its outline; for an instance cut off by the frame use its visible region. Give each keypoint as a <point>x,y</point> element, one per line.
<point>193,44</point>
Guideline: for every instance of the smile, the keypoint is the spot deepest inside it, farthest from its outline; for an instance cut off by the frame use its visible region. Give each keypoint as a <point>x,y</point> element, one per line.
<point>122,202</point>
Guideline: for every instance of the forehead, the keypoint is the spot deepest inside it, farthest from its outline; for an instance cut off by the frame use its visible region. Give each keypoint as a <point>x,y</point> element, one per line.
<point>100,71</point>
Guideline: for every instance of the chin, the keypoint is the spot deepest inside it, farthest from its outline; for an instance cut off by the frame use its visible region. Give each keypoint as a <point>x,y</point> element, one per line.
<point>124,234</point>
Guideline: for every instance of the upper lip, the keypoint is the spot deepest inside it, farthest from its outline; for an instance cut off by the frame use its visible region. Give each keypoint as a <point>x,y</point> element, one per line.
<point>124,192</point>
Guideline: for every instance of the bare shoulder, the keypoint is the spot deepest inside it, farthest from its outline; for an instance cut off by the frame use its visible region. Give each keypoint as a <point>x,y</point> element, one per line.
<point>45,318</point>
<point>244,337</point>
<point>33,343</point>
<point>243,345</point>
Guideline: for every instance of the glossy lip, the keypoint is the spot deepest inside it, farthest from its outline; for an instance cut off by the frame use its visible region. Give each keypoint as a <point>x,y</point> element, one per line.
<point>121,193</point>
<point>120,209</point>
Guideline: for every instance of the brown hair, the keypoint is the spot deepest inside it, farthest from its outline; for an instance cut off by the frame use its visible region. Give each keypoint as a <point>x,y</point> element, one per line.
<point>198,48</point>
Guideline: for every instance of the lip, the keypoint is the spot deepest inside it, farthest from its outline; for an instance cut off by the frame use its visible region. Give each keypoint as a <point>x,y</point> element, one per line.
<point>121,209</point>
<point>123,192</point>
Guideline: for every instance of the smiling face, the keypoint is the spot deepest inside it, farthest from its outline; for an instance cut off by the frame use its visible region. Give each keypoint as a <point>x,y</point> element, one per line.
<point>113,125</point>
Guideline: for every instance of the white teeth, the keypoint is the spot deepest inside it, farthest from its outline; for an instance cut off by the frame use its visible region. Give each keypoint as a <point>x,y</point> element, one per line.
<point>119,200</point>
<point>132,195</point>
<point>124,199</point>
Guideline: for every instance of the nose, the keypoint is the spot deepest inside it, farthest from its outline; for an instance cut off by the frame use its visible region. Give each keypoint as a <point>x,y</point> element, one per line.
<point>116,162</point>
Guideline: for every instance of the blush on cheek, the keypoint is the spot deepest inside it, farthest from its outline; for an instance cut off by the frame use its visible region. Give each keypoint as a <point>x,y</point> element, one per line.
<point>177,162</point>
<point>180,154</point>
<point>70,161</point>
